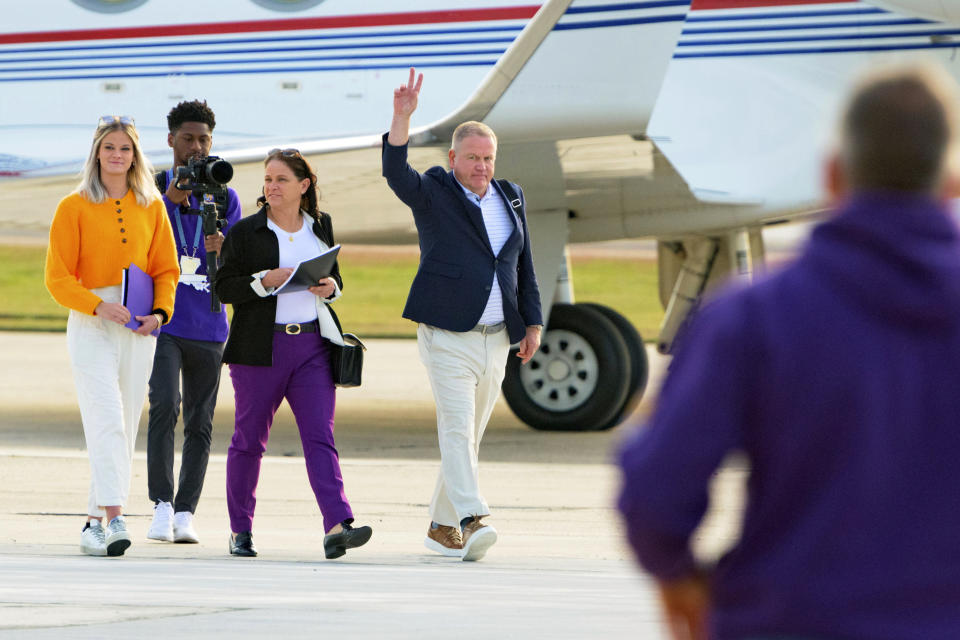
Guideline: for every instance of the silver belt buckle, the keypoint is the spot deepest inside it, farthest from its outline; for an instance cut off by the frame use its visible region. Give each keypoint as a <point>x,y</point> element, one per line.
<point>292,329</point>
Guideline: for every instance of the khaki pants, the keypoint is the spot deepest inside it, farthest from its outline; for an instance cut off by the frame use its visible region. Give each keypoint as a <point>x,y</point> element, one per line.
<point>465,371</point>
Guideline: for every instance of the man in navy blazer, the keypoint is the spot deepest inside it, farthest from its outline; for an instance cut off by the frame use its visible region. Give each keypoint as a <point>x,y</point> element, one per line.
<point>474,294</point>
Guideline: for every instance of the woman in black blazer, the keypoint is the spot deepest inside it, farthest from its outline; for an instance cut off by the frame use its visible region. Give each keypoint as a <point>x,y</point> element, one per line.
<point>279,347</point>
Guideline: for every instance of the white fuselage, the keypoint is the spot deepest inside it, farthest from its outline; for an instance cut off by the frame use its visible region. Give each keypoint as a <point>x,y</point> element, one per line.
<point>326,71</point>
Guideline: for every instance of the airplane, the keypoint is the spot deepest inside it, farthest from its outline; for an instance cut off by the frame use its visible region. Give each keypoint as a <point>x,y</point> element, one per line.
<point>696,123</point>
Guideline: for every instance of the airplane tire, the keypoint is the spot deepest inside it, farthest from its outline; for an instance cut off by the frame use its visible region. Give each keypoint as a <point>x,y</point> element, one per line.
<point>578,380</point>
<point>639,364</point>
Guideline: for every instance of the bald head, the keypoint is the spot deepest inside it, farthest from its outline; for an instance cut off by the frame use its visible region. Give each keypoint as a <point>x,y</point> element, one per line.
<point>899,129</point>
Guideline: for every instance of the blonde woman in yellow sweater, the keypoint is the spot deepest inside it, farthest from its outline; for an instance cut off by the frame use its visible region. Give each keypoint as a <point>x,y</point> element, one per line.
<point>113,219</point>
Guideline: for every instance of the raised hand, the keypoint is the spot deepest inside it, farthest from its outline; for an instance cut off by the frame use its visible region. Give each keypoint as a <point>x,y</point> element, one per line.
<point>406,97</point>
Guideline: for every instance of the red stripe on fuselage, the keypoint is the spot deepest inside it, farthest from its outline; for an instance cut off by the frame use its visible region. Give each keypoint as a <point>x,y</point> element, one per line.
<point>287,24</point>
<point>703,5</point>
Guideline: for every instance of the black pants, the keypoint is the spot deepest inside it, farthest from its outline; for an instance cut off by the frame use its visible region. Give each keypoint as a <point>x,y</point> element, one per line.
<point>199,362</point>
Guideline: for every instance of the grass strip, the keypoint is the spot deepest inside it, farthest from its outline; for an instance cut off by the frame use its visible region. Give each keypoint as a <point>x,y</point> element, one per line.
<point>376,282</point>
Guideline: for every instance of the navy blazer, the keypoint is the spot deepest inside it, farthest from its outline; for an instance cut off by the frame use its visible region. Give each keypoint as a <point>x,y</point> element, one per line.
<point>457,263</point>
<point>249,248</point>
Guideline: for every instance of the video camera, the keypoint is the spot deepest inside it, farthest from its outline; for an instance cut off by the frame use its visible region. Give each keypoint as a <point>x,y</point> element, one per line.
<point>206,173</point>
<point>207,178</point>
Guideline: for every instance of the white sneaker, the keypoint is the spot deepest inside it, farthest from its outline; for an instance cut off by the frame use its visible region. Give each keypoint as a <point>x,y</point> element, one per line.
<point>118,539</point>
<point>183,530</point>
<point>162,526</point>
<point>477,538</point>
<point>92,540</point>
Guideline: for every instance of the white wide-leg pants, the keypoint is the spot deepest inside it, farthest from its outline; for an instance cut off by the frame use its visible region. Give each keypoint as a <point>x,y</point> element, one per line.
<point>111,366</point>
<point>465,371</point>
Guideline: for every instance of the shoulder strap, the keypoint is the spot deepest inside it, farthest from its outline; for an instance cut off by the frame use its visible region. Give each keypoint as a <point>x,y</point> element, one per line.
<point>507,187</point>
<point>161,179</point>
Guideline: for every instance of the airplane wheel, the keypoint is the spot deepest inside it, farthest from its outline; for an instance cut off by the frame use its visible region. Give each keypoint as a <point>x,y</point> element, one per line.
<point>639,364</point>
<point>578,380</point>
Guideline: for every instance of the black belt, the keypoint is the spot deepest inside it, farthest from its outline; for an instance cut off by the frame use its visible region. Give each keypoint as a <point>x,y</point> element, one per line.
<point>296,328</point>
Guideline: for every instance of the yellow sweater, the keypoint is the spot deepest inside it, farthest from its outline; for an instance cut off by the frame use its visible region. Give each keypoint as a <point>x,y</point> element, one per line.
<point>91,244</point>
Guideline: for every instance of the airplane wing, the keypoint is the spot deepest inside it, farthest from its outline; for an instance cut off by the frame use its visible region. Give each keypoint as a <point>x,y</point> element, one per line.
<point>766,78</point>
<point>545,87</point>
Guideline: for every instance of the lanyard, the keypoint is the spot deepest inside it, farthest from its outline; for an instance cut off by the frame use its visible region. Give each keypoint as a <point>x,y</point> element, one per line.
<point>183,240</point>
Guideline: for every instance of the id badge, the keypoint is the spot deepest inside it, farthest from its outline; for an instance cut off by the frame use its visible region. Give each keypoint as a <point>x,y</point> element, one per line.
<point>189,265</point>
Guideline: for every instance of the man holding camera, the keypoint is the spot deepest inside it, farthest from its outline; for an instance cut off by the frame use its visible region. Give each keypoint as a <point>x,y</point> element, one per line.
<point>191,344</point>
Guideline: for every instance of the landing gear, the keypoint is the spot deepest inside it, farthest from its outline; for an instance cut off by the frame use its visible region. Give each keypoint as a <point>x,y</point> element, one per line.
<point>588,375</point>
<point>639,365</point>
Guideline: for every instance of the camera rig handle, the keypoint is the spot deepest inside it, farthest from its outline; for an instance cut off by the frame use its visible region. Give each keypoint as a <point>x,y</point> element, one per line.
<point>211,226</point>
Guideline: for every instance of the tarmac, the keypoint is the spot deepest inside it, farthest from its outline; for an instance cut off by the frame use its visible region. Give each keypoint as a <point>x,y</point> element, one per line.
<point>560,569</point>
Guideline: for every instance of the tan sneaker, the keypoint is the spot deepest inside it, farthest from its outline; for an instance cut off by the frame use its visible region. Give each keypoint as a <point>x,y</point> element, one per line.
<point>477,538</point>
<point>444,540</point>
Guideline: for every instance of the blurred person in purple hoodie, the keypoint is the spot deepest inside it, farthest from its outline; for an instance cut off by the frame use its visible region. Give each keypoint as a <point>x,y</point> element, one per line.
<point>838,379</point>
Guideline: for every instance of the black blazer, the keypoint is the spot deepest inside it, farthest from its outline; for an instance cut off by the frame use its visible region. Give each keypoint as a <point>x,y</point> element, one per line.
<point>249,248</point>
<point>457,263</point>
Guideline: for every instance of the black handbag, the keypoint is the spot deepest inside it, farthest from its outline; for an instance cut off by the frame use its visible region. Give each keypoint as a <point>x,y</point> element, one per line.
<point>347,361</point>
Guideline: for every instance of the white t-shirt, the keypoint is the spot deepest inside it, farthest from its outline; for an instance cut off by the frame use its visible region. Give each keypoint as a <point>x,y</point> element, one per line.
<point>300,306</point>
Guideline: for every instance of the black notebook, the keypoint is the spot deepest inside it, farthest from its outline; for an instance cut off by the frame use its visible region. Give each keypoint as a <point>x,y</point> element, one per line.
<point>309,273</point>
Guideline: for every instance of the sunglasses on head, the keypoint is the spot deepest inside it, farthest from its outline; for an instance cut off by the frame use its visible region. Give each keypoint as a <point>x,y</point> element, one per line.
<point>286,153</point>
<point>108,120</point>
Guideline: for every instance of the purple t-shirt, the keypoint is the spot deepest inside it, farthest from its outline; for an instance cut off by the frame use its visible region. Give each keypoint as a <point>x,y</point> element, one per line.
<point>192,317</point>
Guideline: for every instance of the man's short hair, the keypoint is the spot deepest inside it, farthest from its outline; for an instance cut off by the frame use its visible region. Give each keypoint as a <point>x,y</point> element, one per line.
<point>472,128</point>
<point>192,111</point>
<point>899,129</point>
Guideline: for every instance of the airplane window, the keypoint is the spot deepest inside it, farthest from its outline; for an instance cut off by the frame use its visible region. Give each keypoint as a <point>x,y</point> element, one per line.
<point>287,5</point>
<point>109,6</point>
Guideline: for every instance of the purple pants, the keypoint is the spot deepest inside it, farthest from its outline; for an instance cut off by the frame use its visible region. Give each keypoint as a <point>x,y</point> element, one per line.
<point>301,374</point>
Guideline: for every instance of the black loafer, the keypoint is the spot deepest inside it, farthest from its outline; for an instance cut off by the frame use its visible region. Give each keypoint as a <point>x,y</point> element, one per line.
<point>242,545</point>
<point>336,544</point>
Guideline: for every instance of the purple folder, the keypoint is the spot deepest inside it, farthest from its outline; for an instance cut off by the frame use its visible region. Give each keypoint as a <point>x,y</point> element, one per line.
<point>137,288</point>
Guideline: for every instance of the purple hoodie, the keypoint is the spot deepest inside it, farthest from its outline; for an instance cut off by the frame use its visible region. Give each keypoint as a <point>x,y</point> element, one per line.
<point>839,378</point>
